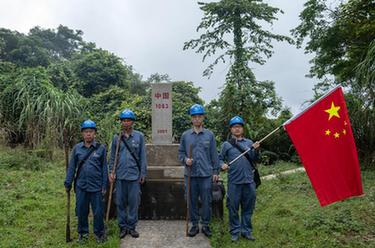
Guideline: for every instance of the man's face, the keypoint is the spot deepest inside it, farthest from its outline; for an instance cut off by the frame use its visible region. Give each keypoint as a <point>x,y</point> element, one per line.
<point>88,134</point>
<point>197,120</point>
<point>237,130</point>
<point>127,123</point>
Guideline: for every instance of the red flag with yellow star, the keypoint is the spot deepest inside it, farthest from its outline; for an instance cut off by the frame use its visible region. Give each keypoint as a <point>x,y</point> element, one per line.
<point>323,138</point>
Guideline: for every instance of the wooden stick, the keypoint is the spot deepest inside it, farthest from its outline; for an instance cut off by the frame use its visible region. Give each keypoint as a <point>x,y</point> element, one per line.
<point>66,148</point>
<point>113,174</point>
<point>188,192</point>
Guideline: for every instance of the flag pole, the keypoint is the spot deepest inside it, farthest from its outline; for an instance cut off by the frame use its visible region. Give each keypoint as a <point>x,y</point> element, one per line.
<point>260,141</point>
<point>285,123</point>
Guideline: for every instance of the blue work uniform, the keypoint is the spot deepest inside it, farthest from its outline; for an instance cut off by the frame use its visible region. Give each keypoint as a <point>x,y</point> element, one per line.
<point>205,164</point>
<point>128,174</point>
<point>241,186</point>
<point>90,183</point>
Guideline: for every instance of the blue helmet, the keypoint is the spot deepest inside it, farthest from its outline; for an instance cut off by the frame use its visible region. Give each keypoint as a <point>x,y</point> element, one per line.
<point>127,114</point>
<point>88,124</point>
<point>197,109</point>
<point>236,120</point>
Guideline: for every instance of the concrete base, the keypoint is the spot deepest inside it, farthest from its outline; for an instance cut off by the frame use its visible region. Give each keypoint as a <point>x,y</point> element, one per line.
<point>164,234</point>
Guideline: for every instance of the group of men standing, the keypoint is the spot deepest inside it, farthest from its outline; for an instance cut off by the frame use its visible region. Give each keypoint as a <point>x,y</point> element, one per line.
<point>197,152</point>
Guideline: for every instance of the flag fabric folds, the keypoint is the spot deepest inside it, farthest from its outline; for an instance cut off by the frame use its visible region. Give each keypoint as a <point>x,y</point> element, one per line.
<point>323,138</point>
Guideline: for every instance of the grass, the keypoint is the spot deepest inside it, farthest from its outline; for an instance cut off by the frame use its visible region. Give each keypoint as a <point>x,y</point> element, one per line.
<point>276,168</point>
<point>32,205</point>
<point>287,212</point>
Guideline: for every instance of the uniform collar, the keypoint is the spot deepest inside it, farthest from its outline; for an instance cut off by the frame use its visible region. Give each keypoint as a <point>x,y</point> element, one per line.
<point>193,131</point>
<point>130,134</point>
<point>240,139</point>
<point>93,144</point>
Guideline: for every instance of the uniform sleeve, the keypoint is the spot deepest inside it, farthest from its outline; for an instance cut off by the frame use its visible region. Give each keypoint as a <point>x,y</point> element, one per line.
<point>223,155</point>
<point>214,156</point>
<point>113,153</point>
<point>104,168</point>
<point>143,158</point>
<point>254,154</point>
<point>71,169</point>
<point>182,150</point>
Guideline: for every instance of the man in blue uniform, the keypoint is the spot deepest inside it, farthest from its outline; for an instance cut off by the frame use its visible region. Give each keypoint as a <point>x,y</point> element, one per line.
<point>203,164</point>
<point>88,168</point>
<point>241,186</point>
<point>129,174</point>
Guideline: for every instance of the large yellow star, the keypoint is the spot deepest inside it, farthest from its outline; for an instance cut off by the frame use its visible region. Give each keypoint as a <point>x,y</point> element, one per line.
<point>333,111</point>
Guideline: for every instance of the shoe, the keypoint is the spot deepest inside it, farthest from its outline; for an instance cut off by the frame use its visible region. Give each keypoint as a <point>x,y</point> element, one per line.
<point>82,238</point>
<point>194,230</point>
<point>100,239</point>
<point>134,233</point>
<point>207,231</point>
<point>234,237</point>
<point>248,237</point>
<point>123,233</point>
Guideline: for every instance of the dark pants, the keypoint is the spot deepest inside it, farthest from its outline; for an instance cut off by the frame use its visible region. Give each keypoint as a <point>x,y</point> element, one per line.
<point>200,188</point>
<point>83,201</point>
<point>127,201</point>
<point>244,195</point>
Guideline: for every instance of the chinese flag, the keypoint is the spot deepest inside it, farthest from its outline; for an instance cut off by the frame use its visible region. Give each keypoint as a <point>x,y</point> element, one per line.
<point>323,138</point>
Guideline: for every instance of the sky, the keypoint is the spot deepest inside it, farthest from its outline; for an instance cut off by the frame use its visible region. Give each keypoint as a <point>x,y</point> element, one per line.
<point>149,35</point>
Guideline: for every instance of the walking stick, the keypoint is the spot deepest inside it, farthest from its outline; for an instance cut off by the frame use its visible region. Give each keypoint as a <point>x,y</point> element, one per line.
<point>188,191</point>
<point>113,174</point>
<point>66,148</point>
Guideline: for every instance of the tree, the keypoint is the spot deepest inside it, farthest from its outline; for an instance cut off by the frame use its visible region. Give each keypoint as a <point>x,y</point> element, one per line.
<point>251,43</point>
<point>61,43</point>
<point>40,47</point>
<point>339,37</point>
<point>98,70</point>
<point>342,41</point>
<point>33,110</point>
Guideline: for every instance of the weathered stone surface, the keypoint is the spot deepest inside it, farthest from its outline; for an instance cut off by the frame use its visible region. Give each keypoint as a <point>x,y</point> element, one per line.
<point>165,172</point>
<point>162,155</point>
<point>161,113</point>
<point>164,234</point>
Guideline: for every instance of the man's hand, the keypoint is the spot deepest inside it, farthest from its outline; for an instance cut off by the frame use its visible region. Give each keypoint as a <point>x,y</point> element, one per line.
<point>68,188</point>
<point>142,180</point>
<point>215,178</point>
<point>189,162</point>
<point>224,167</point>
<point>256,145</point>
<point>111,178</point>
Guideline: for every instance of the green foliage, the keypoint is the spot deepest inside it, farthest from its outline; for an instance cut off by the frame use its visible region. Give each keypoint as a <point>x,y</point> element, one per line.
<point>240,21</point>
<point>184,96</point>
<point>21,160</point>
<point>51,80</point>
<point>141,106</point>
<point>33,204</point>
<point>288,214</point>
<point>97,70</point>
<point>338,36</point>
<point>342,41</point>
<point>34,110</point>
<point>40,47</point>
